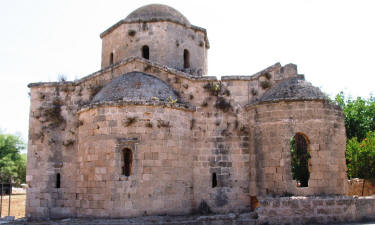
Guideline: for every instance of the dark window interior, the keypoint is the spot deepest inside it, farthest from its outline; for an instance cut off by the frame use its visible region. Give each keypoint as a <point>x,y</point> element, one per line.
<point>128,159</point>
<point>186,59</point>
<point>146,52</point>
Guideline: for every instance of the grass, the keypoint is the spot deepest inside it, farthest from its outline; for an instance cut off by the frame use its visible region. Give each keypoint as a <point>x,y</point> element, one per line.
<point>17,205</point>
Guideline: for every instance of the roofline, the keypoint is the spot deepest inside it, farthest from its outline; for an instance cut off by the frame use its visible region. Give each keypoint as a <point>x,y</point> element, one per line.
<point>123,21</point>
<point>256,103</point>
<point>179,106</point>
<point>161,67</point>
<point>123,62</point>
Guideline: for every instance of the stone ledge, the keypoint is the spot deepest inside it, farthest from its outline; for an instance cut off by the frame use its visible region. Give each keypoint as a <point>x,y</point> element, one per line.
<point>315,209</point>
<point>179,106</point>
<point>120,63</point>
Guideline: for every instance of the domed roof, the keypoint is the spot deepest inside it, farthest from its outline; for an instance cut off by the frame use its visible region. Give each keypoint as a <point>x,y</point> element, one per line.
<point>295,88</point>
<point>155,12</point>
<point>135,86</point>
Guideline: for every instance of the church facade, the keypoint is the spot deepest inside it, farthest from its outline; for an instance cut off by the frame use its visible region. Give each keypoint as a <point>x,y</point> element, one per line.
<point>151,134</point>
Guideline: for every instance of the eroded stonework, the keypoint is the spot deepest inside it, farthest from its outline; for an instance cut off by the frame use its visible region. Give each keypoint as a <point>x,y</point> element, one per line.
<point>148,134</point>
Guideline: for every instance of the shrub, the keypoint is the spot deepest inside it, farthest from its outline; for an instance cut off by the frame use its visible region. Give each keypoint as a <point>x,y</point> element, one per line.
<point>163,123</point>
<point>265,84</point>
<point>360,157</point>
<point>130,120</point>
<point>223,104</point>
<point>149,124</point>
<point>131,33</point>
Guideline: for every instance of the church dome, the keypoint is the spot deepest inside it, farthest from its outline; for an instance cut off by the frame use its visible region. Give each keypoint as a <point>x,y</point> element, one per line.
<point>135,86</point>
<point>156,12</point>
<point>295,88</point>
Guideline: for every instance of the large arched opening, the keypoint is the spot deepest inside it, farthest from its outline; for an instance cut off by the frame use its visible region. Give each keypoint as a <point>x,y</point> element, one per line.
<point>300,155</point>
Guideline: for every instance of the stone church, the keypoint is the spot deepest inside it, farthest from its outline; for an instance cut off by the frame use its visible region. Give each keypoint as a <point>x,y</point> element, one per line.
<point>151,134</point>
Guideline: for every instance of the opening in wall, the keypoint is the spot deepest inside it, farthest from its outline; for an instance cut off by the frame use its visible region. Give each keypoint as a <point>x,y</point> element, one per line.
<point>146,52</point>
<point>214,180</point>
<point>58,180</point>
<point>300,159</point>
<point>186,59</point>
<point>111,58</point>
<point>127,157</point>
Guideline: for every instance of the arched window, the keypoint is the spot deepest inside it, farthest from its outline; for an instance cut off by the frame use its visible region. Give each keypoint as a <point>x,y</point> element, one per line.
<point>186,59</point>
<point>127,157</point>
<point>146,52</point>
<point>58,180</point>
<point>111,58</point>
<point>300,159</point>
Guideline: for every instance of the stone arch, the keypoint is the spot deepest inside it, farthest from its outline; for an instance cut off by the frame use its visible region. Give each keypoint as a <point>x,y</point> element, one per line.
<point>300,157</point>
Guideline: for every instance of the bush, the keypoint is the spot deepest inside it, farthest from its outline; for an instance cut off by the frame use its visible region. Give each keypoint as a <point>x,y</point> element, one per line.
<point>360,157</point>
<point>12,163</point>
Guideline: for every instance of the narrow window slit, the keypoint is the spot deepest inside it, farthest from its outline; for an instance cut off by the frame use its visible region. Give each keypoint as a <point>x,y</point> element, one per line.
<point>111,58</point>
<point>127,162</point>
<point>186,59</point>
<point>58,180</point>
<point>214,180</point>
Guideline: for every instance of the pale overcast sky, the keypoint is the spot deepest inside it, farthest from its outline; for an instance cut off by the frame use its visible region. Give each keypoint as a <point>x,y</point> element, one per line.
<point>332,42</point>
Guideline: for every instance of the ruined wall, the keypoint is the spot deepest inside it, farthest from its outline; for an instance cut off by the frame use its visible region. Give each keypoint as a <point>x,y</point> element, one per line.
<point>272,127</point>
<point>161,177</point>
<point>360,187</point>
<point>166,41</point>
<point>51,151</point>
<point>219,141</point>
<point>315,210</point>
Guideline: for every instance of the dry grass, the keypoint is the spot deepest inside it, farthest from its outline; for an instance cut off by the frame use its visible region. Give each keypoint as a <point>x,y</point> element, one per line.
<point>17,206</point>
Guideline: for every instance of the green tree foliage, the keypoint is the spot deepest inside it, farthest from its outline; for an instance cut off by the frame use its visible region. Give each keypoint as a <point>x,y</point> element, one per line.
<point>12,163</point>
<point>359,115</point>
<point>360,157</point>
<point>360,132</point>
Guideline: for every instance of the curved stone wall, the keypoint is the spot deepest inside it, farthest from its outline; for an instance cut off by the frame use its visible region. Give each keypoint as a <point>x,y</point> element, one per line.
<point>161,170</point>
<point>272,127</point>
<point>166,41</point>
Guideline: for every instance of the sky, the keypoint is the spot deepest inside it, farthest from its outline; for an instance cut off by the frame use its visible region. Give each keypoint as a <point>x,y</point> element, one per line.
<point>331,41</point>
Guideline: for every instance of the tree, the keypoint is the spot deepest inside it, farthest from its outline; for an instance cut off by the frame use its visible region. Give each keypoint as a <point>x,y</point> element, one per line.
<point>360,157</point>
<point>12,164</point>
<point>359,115</point>
<point>360,132</point>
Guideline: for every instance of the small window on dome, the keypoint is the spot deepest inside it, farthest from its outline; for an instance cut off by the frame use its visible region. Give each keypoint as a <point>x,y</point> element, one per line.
<point>186,59</point>
<point>146,52</point>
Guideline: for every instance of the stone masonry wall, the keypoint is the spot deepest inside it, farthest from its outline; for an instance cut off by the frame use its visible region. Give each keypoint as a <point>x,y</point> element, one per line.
<point>273,126</point>
<point>315,210</point>
<point>360,187</point>
<point>161,177</point>
<point>51,151</point>
<point>166,42</point>
<point>219,130</point>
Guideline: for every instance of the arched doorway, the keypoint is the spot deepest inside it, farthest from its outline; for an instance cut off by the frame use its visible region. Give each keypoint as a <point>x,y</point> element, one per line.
<point>299,151</point>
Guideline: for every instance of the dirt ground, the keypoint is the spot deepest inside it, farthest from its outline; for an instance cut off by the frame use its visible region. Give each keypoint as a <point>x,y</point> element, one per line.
<point>17,205</point>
